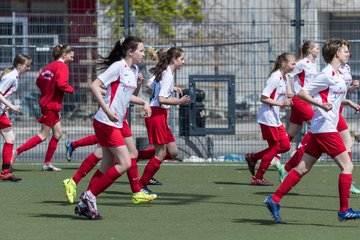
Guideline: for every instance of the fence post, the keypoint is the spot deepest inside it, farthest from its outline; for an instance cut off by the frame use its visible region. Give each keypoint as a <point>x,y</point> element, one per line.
<point>297,25</point>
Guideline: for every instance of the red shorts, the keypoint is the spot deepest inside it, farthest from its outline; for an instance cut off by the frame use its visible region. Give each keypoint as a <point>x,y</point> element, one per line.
<point>125,130</point>
<point>273,133</point>
<point>301,111</point>
<point>108,136</point>
<point>329,143</point>
<point>49,117</point>
<point>157,127</point>
<point>341,124</point>
<point>4,121</point>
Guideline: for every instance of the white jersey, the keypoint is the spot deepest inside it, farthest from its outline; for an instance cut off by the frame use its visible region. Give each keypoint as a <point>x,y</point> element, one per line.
<point>327,87</point>
<point>275,89</point>
<point>8,87</point>
<point>163,88</point>
<point>302,74</point>
<point>346,71</point>
<point>120,82</point>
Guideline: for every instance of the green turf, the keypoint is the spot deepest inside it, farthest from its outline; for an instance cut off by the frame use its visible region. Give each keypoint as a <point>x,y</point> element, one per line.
<point>195,202</point>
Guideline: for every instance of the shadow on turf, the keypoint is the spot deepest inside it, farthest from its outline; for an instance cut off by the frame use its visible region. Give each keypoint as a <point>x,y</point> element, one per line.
<point>272,222</point>
<point>233,183</point>
<point>49,215</point>
<point>298,194</point>
<point>163,199</point>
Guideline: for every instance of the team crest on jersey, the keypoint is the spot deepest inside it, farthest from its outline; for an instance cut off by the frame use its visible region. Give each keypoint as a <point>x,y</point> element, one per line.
<point>47,75</point>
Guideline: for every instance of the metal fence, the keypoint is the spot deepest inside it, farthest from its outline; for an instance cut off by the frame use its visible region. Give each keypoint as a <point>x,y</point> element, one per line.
<point>235,37</point>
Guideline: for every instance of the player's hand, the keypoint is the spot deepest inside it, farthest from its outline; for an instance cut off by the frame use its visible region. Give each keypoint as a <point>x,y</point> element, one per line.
<point>326,106</point>
<point>287,103</point>
<point>184,100</point>
<point>147,110</point>
<point>178,90</point>
<point>355,83</point>
<point>17,108</point>
<point>112,116</point>
<point>140,79</point>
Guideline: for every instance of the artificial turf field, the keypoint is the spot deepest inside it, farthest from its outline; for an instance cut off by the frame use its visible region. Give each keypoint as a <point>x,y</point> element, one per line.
<point>199,201</point>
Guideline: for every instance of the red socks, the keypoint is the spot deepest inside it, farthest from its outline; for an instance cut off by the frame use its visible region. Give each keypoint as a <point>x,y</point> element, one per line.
<point>133,176</point>
<point>51,149</point>
<point>86,166</point>
<point>295,159</point>
<point>32,142</point>
<point>104,181</point>
<point>94,179</point>
<point>345,181</point>
<point>151,168</point>
<point>86,141</point>
<point>289,182</point>
<point>6,156</point>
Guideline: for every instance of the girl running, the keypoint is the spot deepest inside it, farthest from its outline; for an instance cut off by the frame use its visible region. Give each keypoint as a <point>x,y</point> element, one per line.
<point>329,89</point>
<point>120,80</point>
<point>159,133</point>
<point>53,83</point>
<point>8,86</point>
<point>274,96</point>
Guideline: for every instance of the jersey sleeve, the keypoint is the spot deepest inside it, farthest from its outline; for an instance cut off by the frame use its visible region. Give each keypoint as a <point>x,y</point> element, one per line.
<point>111,74</point>
<point>62,77</point>
<point>166,85</point>
<point>5,84</point>
<point>319,83</point>
<point>270,86</point>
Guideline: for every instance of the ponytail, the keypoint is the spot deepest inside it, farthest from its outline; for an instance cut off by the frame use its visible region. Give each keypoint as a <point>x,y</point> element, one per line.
<point>282,58</point>
<point>118,52</point>
<point>19,59</point>
<point>165,59</point>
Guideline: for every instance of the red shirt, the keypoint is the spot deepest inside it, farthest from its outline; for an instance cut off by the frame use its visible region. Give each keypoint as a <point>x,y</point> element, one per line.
<point>53,83</point>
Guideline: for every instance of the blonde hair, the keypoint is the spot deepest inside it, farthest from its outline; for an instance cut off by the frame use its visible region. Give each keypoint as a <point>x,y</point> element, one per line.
<point>19,59</point>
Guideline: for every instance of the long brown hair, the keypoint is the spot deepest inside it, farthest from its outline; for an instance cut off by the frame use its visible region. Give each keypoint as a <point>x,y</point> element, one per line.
<point>19,59</point>
<point>304,48</point>
<point>164,62</point>
<point>282,58</point>
<point>118,52</point>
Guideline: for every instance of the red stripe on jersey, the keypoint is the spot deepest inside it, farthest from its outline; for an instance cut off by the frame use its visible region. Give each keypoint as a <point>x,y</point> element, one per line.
<point>302,78</point>
<point>272,95</point>
<point>324,95</point>
<point>7,91</point>
<point>113,88</point>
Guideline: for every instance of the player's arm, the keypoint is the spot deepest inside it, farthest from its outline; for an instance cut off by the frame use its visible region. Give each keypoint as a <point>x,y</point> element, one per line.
<point>96,90</point>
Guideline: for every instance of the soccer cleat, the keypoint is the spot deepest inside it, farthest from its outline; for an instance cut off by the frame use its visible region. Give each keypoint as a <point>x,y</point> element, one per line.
<point>7,176</point>
<point>141,197</point>
<point>282,173</point>
<point>251,163</point>
<point>354,190</point>
<point>149,192</point>
<point>49,167</point>
<point>274,208</point>
<point>153,181</point>
<point>90,203</point>
<point>69,150</point>
<point>260,182</point>
<point>80,210</point>
<point>70,189</point>
<point>348,215</point>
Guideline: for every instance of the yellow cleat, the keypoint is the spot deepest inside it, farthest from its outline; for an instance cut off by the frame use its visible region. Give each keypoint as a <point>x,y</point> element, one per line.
<point>141,197</point>
<point>70,189</point>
